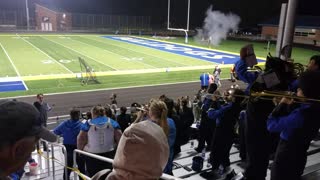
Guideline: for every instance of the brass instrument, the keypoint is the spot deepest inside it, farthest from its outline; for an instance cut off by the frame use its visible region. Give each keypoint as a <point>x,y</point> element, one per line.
<point>270,95</point>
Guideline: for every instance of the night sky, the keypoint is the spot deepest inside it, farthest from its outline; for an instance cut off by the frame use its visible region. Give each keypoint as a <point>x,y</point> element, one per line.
<point>251,12</point>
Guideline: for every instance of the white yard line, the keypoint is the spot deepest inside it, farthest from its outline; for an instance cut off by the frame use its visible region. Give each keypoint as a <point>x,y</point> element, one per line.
<point>14,67</point>
<point>141,52</point>
<point>113,53</point>
<point>56,60</point>
<point>80,53</point>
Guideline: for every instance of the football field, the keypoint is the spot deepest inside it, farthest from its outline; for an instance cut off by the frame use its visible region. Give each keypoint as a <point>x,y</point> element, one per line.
<point>35,57</point>
<point>49,63</point>
<point>38,55</point>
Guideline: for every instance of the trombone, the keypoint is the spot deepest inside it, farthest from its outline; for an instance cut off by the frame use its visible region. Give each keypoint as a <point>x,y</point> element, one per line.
<point>270,95</point>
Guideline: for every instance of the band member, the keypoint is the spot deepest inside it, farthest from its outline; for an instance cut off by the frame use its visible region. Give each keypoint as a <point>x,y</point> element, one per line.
<point>297,129</point>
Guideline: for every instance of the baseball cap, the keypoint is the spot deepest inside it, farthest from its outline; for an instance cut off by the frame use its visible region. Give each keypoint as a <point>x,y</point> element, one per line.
<point>18,120</point>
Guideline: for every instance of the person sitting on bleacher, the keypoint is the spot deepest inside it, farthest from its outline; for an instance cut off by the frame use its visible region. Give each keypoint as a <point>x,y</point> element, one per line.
<point>19,133</point>
<point>142,154</point>
<point>69,130</point>
<point>89,139</point>
<point>123,119</point>
<point>297,129</point>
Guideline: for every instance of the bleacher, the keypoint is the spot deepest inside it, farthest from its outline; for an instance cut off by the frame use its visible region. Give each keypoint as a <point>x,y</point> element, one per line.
<point>182,163</point>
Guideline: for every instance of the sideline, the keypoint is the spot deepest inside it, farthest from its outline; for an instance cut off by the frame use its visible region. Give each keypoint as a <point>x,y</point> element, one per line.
<point>104,89</point>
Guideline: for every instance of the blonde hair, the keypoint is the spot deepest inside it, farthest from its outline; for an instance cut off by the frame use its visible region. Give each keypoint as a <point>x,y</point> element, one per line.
<point>159,110</point>
<point>98,111</point>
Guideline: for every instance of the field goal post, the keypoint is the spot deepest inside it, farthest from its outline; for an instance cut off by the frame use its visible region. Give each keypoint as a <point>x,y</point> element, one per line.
<point>87,73</point>
<point>177,29</point>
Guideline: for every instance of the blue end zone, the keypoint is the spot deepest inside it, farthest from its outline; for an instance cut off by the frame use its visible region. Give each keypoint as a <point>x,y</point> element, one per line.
<point>11,84</point>
<point>206,55</point>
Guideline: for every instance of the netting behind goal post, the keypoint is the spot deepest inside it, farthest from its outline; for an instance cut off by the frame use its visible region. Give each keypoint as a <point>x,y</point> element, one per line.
<point>87,73</point>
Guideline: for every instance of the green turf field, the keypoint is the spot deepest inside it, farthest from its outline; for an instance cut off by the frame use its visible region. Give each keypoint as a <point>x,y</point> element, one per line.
<point>46,55</point>
<point>49,63</point>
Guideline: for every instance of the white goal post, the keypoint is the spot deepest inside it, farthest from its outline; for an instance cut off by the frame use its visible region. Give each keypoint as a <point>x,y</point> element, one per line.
<point>176,29</point>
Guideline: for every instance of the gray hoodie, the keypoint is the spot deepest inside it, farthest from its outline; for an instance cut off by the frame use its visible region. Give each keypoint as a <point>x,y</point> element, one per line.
<point>142,154</point>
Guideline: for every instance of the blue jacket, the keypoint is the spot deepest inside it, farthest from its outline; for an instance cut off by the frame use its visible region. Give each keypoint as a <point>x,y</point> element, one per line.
<point>287,124</point>
<point>204,79</point>
<point>99,121</point>
<point>69,130</point>
<point>218,114</point>
<point>241,69</point>
<point>171,141</point>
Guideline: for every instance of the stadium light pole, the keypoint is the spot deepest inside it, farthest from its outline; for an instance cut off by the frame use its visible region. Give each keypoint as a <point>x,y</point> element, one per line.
<point>28,18</point>
<point>290,25</point>
<point>281,28</point>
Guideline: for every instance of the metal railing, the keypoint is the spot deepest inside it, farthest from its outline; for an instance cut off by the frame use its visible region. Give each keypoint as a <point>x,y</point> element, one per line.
<point>47,157</point>
<point>53,159</point>
<point>101,158</point>
<point>65,160</point>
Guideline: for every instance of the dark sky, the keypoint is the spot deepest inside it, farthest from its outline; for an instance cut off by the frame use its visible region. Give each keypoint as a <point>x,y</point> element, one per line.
<point>250,11</point>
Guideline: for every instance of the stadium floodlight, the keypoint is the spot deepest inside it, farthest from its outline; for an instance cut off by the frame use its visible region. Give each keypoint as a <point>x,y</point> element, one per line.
<point>176,29</point>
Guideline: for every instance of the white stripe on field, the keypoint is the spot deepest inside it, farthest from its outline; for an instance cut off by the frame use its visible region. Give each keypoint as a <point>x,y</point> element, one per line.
<point>45,54</point>
<point>80,53</point>
<point>139,51</point>
<point>14,67</point>
<point>113,53</point>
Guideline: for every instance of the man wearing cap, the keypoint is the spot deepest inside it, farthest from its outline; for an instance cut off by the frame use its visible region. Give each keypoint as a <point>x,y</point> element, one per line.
<point>19,133</point>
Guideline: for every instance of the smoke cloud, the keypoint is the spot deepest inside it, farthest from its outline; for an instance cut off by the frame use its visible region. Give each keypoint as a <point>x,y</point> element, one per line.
<point>216,27</point>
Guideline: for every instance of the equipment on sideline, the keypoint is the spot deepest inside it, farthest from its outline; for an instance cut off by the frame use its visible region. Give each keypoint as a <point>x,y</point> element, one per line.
<point>87,73</point>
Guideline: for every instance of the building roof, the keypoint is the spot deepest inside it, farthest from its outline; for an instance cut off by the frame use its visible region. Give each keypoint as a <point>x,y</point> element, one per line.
<point>51,7</point>
<point>301,22</point>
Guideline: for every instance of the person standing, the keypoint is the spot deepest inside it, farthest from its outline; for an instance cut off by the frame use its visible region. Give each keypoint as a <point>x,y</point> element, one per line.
<point>43,108</point>
<point>69,130</point>
<point>99,136</point>
<point>216,75</point>
<point>297,128</point>
<point>204,78</point>
<point>123,119</point>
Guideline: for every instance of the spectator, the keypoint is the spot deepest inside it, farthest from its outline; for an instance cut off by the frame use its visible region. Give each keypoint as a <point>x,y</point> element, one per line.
<point>216,75</point>
<point>187,118</point>
<point>69,130</point>
<point>19,133</point>
<point>123,119</point>
<point>99,127</point>
<point>211,79</point>
<point>109,112</point>
<point>204,78</point>
<point>113,99</point>
<point>175,127</point>
<point>158,113</point>
<point>206,127</point>
<point>196,106</point>
<point>43,108</point>
<point>142,154</point>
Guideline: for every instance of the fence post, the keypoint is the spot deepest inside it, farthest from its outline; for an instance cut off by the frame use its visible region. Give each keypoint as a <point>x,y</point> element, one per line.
<point>75,165</point>
<point>53,166</point>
